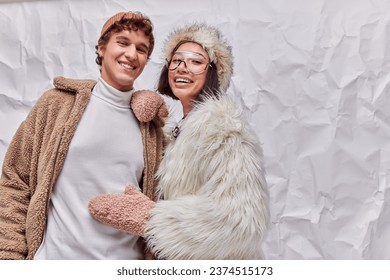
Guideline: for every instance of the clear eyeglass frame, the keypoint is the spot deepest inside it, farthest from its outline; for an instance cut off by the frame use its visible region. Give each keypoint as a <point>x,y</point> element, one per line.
<point>186,66</point>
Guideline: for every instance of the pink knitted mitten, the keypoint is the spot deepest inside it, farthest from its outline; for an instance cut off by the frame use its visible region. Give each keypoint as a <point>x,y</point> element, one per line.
<point>128,212</point>
<point>148,105</point>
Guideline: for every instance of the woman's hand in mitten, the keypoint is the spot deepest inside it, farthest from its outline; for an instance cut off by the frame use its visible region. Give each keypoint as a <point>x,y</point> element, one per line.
<point>149,106</point>
<point>128,212</point>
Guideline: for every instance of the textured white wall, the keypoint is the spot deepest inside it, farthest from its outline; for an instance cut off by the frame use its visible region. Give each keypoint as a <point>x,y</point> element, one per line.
<point>311,75</point>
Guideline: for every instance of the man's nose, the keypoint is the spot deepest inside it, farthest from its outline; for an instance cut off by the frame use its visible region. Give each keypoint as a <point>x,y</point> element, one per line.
<point>131,52</point>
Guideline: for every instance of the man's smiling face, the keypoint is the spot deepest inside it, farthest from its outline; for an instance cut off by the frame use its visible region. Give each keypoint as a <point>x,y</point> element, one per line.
<point>124,58</point>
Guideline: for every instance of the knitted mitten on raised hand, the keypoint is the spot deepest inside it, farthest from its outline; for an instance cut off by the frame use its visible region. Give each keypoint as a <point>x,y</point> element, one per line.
<point>128,212</point>
<point>149,106</point>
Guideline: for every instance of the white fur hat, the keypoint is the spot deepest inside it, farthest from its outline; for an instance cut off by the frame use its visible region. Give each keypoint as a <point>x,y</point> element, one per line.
<point>212,41</point>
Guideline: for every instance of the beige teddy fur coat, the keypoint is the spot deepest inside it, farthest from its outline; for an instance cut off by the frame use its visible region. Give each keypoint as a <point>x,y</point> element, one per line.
<point>36,155</point>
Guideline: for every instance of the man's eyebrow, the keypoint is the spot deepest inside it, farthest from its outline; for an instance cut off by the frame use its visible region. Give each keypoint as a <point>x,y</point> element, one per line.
<point>121,37</point>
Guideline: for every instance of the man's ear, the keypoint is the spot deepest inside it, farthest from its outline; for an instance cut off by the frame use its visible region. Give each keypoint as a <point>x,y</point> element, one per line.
<point>101,50</point>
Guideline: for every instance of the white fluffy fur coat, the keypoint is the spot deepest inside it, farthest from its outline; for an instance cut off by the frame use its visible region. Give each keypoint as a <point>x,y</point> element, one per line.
<point>214,198</point>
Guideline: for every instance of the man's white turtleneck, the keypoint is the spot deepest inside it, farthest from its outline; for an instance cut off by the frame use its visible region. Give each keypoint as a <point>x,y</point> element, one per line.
<point>105,155</point>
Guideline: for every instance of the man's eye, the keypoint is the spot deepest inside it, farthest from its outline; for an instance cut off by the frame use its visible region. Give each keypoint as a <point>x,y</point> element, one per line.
<point>142,50</point>
<point>122,43</point>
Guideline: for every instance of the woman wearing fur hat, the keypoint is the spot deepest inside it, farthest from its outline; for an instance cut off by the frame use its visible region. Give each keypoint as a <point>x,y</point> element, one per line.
<point>212,199</point>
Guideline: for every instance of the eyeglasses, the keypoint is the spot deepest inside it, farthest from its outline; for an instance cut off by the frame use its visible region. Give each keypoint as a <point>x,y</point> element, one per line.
<point>194,63</point>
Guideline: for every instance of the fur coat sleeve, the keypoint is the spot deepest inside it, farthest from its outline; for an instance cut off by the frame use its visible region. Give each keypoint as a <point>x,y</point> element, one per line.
<point>214,196</point>
<point>15,185</point>
<point>15,195</point>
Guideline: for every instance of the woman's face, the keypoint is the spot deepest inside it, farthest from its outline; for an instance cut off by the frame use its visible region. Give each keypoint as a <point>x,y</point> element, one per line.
<point>185,81</point>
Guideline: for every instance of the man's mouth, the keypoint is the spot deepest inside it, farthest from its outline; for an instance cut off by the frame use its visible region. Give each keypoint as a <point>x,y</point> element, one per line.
<point>127,66</point>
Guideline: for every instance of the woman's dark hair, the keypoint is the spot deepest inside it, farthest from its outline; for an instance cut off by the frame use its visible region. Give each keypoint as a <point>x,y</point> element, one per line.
<point>130,24</point>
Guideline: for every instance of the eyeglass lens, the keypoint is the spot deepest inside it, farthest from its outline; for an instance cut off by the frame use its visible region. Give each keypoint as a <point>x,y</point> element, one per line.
<point>195,63</point>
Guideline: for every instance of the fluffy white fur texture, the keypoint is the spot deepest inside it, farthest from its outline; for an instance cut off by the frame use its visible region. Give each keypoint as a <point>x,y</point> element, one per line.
<point>212,41</point>
<point>215,197</point>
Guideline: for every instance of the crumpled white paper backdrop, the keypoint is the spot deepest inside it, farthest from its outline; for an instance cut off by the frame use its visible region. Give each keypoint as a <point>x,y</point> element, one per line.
<point>311,75</point>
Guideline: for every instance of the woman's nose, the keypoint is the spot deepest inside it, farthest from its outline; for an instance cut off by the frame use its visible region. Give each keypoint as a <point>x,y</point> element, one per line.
<point>182,67</point>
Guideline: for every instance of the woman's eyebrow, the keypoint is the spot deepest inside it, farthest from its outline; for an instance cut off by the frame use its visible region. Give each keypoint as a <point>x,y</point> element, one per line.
<point>188,54</point>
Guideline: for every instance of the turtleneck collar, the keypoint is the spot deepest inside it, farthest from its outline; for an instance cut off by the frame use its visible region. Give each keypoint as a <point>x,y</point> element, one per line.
<point>111,95</point>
